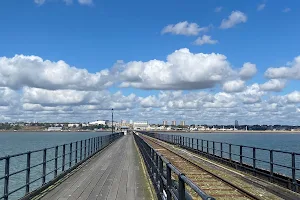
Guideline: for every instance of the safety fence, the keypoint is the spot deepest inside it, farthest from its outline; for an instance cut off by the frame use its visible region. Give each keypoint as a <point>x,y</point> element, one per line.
<point>26,173</point>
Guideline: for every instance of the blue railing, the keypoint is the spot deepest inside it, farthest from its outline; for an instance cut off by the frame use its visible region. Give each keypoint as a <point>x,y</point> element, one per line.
<point>43,167</point>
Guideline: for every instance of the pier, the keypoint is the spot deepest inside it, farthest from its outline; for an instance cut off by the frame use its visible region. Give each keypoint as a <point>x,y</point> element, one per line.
<point>143,165</point>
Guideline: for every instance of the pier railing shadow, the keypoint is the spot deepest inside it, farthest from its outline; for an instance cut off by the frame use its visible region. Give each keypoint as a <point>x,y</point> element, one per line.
<point>279,167</point>
<point>43,167</point>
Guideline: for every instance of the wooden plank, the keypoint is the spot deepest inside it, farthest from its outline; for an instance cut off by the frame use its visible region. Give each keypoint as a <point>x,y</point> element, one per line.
<point>81,174</point>
<point>115,185</point>
<point>84,188</point>
<point>123,186</point>
<point>114,174</point>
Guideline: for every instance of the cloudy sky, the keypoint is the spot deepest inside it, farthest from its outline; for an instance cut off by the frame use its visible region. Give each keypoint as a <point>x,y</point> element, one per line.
<point>203,61</point>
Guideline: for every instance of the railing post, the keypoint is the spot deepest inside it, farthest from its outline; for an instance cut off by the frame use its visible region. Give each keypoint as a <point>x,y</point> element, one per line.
<point>6,179</point>
<point>63,158</point>
<point>189,142</point>
<point>271,165</point>
<point>44,166</point>
<point>156,168</point>
<point>181,189</point>
<point>89,146</point>
<point>161,183</point>
<point>254,160</point>
<point>28,172</point>
<point>192,143</point>
<point>213,147</point>
<point>84,148</point>
<point>201,145</point>
<point>230,156</point>
<point>76,150</point>
<point>169,183</point>
<point>207,146</point>
<point>221,148</point>
<point>55,161</point>
<point>70,155</point>
<point>241,155</point>
<point>294,187</point>
<point>198,144</point>
<point>80,150</point>
<point>101,142</point>
<point>94,141</point>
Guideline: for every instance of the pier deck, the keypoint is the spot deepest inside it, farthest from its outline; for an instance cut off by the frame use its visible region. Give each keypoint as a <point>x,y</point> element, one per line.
<point>115,173</point>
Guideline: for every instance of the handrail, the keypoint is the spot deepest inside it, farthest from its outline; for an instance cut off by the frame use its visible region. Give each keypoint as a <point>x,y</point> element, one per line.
<point>242,158</point>
<point>160,170</point>
<point>66,155</point>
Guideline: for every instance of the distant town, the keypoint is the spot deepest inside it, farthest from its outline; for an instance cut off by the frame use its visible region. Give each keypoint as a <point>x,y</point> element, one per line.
<point>106,125</point>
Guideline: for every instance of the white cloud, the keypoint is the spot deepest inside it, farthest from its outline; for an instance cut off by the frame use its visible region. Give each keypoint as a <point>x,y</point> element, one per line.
<point>251,95</point>
<point>182,70</point>
<point>293,97</point>
<point>205,39</point>
<point>39,2</point>
<point>218,9</point>
<point>247,71</point>
<point>286,10</point>
<point>260,7</point>
<point>85,2</point>
<point>236,17</point>
<point>234,86</point>
<point>291,71</point>
<point>8,96</point>
<point>275,85</point>
<point>183,28</point>
<point>21,71</point>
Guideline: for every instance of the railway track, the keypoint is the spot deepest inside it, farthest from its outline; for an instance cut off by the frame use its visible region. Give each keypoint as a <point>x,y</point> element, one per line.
<point>209,182</point>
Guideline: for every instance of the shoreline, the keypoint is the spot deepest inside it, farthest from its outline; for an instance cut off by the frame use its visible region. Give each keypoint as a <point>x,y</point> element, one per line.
<point>235,132</point>
<point>71,131</point>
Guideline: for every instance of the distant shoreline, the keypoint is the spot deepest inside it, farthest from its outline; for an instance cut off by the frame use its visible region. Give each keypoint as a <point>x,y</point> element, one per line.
<point>15,131</point>
<point>218,131</point>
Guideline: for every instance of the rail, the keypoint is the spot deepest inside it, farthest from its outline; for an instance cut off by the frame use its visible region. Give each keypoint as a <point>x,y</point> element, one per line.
<point>160,169</point>
<point>56,161</point>
<point>247,158</point>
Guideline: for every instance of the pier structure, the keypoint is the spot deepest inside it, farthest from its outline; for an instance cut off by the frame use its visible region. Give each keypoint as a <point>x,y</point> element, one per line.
<point>144,165</point>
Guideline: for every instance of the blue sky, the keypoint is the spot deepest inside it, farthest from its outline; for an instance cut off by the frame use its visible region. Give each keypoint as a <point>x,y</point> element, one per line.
<point>94,35</point>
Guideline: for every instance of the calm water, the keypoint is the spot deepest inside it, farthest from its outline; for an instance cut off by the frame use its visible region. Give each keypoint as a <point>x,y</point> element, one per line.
<point>19,142</point>
<point>279,141</point>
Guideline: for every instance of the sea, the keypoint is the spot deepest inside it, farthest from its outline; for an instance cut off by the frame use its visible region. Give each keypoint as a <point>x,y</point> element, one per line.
<point>19,142</point>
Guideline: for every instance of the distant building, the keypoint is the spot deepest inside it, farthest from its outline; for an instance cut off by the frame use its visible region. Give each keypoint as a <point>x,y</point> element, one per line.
<point>165,123</point>
<point>54,129</point>
<point>182,123</point>
<point>141,125</point>
<point>173,123</point>
<point>73,125</point>
<point>236,123</point>
<point>98,122</point>
<point>130,122</point>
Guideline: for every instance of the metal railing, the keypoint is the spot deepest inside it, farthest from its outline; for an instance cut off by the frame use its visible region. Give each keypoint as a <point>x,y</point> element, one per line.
<point>280,167</point>
<point>168,181</point>
<point>44,166</point>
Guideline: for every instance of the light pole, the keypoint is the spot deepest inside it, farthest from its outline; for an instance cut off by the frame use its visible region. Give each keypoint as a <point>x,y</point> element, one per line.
<point>112,121</point>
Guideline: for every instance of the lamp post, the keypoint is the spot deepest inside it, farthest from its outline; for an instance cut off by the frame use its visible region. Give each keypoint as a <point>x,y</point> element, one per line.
<point>112,121</point>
